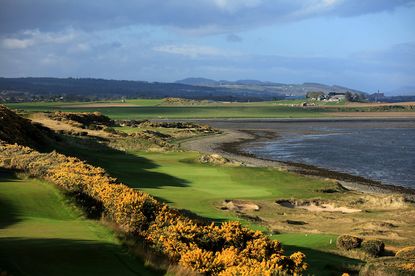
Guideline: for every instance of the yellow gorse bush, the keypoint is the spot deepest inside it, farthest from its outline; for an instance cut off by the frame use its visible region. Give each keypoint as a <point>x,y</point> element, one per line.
<point>226,249</point>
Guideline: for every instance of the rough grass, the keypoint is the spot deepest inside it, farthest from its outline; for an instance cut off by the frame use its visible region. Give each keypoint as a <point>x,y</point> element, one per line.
<point>317,248</point>
<point>41,234</point>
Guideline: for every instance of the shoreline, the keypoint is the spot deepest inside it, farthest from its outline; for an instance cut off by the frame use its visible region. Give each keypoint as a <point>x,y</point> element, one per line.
<point>228,145</point>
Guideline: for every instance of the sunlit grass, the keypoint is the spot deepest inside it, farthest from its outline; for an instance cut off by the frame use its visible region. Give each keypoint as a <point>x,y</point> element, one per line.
<point>42,234</point>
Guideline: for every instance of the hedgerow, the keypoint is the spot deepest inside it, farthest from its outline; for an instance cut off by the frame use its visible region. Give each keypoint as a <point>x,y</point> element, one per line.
<point>226,249</point>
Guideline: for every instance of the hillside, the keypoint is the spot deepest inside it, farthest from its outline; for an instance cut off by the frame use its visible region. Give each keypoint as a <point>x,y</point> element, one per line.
<point>140,219</point>
<point>41,234</point>
<point>268,87</point>
<point>71,89</point>
<point>16,129</point>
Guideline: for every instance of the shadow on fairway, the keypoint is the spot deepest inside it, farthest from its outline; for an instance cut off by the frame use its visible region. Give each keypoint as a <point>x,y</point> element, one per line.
<point>325,263</point>
<point>21,256</point>
<point>7,210</point>
<point>130,169</point>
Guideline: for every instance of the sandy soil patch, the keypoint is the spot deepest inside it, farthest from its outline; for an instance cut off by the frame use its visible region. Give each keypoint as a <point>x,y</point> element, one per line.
<point>316,206</point>
<point>241,206</point>
<point>94,105</point>
<point>383,201</point>
<point>59,125</point>
<point>380,114</point>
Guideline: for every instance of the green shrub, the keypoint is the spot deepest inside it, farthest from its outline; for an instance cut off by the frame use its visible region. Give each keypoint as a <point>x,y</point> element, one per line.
<point>374,248</point>
<point>348,242</point>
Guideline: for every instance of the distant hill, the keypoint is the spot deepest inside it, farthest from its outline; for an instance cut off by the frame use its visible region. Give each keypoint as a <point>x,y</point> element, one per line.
<point>198,82</point>
<point>70,89</point>
<point>87,89</point>
<point>270,87</point>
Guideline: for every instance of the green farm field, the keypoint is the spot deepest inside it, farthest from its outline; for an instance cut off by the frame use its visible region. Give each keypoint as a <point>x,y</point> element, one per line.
<point>240,110</point>
<point>158,109</point>
<point>42,234</point>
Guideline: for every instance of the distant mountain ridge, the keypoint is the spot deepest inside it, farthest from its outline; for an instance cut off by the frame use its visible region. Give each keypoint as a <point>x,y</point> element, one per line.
<point>88,89</point>
<point>256,85</point>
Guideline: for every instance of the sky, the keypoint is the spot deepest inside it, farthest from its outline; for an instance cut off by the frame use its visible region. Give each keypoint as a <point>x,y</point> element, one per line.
<point>367,45</point>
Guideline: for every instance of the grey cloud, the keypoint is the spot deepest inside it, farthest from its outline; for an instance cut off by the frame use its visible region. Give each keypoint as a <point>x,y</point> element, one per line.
<point>368,71</point>
<point>202,16</point>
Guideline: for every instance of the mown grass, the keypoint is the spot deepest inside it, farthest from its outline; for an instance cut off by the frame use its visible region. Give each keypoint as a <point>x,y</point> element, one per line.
<point>177,178</point>
<point>234,110</point>
<point>157,109</point>
<point>42,234</point>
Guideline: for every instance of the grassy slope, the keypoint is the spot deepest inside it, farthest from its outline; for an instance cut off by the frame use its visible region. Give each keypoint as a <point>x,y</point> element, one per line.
<point>201,186</point>
<point>175,178</point>
<point>40,234</point>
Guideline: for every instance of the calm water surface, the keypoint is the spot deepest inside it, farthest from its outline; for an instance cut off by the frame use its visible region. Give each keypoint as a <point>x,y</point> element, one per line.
<point>382,153</point>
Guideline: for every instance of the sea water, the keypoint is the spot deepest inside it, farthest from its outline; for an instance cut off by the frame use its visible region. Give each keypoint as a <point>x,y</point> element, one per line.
<point>386,154</point>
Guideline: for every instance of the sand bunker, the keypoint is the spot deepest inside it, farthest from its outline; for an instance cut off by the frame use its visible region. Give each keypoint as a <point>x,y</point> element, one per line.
<point>316,206</point>
<point>240,206</point>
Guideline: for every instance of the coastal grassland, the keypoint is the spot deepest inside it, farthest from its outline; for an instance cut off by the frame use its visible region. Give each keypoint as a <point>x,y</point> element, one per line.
<point>178,179</point>
<point>158,109</point>
<point>182,112</point>
<point>41,233</point>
